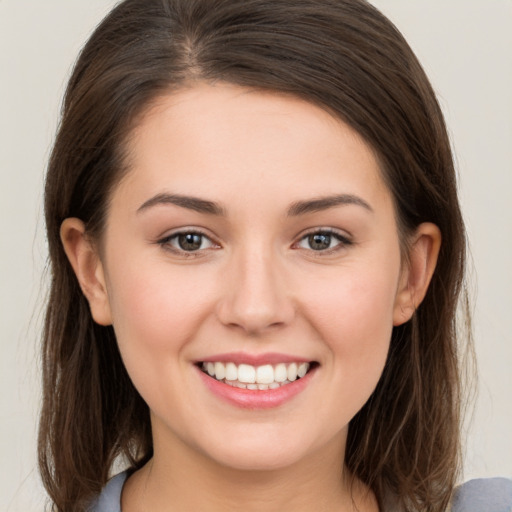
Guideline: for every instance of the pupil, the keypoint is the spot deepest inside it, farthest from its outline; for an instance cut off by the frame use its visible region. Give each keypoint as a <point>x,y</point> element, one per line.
<point>190,241</point>
<point>319,241</point>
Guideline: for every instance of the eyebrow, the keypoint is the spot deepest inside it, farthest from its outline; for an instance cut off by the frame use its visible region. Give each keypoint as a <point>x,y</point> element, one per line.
<point>324,203</point>
<point>189,202</point>
<point>212,208</point>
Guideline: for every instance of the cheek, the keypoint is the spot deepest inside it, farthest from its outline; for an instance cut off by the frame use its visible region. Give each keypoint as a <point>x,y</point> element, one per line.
<point>354,317</point>
<point>155,314</point>
<point>357,306</point>
<point>152,306</point>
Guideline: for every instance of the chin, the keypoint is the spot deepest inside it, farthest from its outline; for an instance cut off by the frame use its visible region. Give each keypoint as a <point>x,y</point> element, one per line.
<point>258,460</point>
<point>266,451</point>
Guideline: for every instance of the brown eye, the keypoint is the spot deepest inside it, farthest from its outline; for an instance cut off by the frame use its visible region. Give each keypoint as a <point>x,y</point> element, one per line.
<point>186,242</point>
<point>319,241</point>
<point>323,241</point>
<point>190,241</point>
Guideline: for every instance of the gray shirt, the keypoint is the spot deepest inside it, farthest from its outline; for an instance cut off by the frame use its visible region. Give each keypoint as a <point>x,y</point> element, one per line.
<point>480,495</point>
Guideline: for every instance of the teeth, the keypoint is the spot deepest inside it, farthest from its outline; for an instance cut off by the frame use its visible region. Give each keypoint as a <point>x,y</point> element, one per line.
<point>280,373</point>
<point>263,377</point>
<point>220,371</point>
<point>292,372</point>
<point>231,371</point>
<point>265,374</point>
<point>246,374</point>
<point>302,369</point>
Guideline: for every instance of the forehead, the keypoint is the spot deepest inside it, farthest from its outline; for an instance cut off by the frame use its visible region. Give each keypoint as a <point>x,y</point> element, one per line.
<point>228,141</point>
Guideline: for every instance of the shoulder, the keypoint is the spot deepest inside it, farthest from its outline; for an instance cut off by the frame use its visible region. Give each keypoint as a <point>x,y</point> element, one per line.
<point>110,498</point>
<point>484,495</point>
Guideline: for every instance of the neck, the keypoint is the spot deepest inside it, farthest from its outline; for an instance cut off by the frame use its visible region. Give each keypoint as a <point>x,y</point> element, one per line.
<point>178,478</point>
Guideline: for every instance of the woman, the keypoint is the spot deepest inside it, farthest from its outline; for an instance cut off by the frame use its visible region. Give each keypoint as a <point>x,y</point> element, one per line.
<point>257,253</point>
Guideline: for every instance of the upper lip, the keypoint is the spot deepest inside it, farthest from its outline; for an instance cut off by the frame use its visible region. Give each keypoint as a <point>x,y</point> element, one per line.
<point>254,359</point>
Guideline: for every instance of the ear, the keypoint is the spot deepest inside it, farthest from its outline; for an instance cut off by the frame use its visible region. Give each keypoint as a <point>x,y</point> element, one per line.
<point>417,271</point>
<point>88,268</point>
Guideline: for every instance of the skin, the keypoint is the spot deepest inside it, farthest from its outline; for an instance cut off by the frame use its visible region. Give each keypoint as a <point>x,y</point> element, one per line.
<point>256,286</point>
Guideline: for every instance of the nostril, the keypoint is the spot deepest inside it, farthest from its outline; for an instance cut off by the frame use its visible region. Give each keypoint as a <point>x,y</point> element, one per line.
<point>255,302</point>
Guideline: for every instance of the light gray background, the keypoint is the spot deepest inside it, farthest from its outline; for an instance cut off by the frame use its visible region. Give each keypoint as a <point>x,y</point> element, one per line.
<point>466,48</point>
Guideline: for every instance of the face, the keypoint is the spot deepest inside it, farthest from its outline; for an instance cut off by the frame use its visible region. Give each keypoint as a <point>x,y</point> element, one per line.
<point>252,244</point>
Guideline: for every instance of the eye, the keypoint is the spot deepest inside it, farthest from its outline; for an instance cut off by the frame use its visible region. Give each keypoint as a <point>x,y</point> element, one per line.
<point>187,241</point>
<point>324,240</point>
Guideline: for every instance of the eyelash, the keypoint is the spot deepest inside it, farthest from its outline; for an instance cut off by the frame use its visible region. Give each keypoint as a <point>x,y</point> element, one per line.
<point>343,241</point>
<point>166,242</point>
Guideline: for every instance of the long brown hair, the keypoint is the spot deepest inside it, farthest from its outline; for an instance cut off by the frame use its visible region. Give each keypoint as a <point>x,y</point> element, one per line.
<point>342,55</point>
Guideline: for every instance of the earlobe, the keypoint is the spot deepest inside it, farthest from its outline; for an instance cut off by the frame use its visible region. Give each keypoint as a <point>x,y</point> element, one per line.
<point>88,268</point>
<point>417,272</point>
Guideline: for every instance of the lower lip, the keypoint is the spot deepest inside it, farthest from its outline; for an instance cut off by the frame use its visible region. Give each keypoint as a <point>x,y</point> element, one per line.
<point>255,398</point>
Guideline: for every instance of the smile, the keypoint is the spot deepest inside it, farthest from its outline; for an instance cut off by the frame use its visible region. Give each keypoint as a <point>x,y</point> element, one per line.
<point>264,377</point>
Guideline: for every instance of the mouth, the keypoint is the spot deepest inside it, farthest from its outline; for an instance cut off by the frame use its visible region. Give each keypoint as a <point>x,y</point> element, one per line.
<point>262,378</point>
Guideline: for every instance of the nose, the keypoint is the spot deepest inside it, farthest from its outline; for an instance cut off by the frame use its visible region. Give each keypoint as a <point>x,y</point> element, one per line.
<point>256,297</point>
